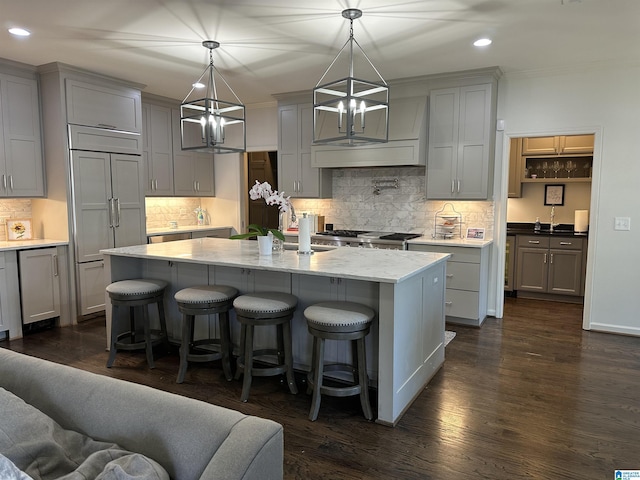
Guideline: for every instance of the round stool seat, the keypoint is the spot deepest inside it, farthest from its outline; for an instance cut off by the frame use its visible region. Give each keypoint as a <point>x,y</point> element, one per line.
<point>262,309</point>
<point>339,317</point>
<point>205,294</point>
<point>205,300</point>
<point>126,289</point>
<point>265,304</point>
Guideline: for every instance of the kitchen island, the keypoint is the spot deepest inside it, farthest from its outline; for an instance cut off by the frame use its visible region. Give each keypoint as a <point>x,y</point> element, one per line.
<point>407,290</point>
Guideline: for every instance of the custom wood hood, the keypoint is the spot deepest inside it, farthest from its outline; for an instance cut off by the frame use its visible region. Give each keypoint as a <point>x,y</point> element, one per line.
<point>407,141</point>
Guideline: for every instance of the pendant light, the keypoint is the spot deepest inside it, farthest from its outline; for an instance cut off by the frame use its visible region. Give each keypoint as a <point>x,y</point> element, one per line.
<point>208,123</point>
<point>351,111</point>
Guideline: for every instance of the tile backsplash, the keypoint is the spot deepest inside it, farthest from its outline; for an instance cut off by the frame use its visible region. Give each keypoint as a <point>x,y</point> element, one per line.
<point>162,210</point>
<point>404,209</point>
<point>13,208</point>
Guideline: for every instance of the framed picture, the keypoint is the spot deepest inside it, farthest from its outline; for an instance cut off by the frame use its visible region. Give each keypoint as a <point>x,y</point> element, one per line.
<point>554,194</point>
<point>19,229</point>
<point>475,233</point>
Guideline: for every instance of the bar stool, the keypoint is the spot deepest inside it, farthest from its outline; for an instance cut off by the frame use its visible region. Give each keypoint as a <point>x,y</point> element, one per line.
<point>133,293</point>
<point>339,321</point>
<point>205,300</point>
<point>263,309</point>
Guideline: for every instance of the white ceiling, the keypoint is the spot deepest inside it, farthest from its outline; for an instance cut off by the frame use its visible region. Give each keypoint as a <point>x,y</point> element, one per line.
<point>276,46</point>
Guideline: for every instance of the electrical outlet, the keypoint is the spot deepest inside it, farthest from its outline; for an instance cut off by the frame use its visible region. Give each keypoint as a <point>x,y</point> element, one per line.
<point>622,223</point>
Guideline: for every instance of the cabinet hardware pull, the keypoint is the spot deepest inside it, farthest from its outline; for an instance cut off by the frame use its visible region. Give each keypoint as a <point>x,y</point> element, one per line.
<point>448,303</point>
<point>110,212</point>
<point>566,243</point>
<point>151,184</point>
<point>458,185</point>
<point>534,241</point>
<point>551,259</point>
<point>453,182</point>
<point>117,200</point>
<point>449,275</point>
<point>11,181</point>
<point>55,265</point>
<point>4,181</point>
<point>545,258</point>
<point>198,185</point>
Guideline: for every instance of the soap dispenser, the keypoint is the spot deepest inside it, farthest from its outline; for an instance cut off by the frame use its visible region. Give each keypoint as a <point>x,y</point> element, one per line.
<point>537,226</point>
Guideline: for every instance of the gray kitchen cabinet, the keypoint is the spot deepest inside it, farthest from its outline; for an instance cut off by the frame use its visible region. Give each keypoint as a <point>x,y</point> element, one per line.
<point>296,176</point>
<point>549,265</point>
<point>39,284</point>
<point>193,171</point>
<point>460,148</point>
<point>157,150</point>
<point>21,161</point>
<point>9,296</point>
<point>111,107</point>
<point>214,233</point>
<point>108,202</point>
<point>467,278</point>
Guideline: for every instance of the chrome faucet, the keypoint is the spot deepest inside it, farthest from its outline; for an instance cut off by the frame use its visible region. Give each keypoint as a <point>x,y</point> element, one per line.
<point>553,216</point>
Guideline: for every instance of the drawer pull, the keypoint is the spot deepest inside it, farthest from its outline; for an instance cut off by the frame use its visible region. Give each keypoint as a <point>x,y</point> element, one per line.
<point>448,304</point>
<point>449,275</point>
<point>536,242</point>
<point>566,243</point>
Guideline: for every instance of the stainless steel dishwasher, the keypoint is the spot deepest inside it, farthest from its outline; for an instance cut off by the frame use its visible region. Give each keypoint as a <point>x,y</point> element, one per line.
<point>170,237</point>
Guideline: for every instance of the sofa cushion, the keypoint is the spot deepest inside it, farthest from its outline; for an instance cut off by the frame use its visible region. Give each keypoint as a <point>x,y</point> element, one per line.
<point>43,450</point>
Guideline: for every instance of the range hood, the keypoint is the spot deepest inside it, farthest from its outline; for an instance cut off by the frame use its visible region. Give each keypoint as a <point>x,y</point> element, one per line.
<point>407,141</point>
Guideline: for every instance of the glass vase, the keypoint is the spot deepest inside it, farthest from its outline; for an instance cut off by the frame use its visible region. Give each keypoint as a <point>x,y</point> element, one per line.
<point>278,245</point>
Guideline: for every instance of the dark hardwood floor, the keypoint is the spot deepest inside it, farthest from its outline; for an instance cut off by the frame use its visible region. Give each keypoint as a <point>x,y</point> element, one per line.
<point>531,396</point>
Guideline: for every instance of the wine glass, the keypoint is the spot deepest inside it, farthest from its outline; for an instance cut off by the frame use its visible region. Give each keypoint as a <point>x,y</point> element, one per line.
<point>545,167</point>
<point>587,170</point>
<point>570,167</point>
<point>556,167</point>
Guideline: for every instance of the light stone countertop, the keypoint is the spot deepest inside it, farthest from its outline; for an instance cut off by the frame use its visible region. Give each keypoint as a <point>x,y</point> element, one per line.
<point>183,229</point>
<point>384,266</point>
<point>29,244</point>
<point>451,242</point>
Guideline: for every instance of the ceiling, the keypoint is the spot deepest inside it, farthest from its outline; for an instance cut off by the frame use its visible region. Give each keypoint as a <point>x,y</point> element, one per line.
<point>277,46</point>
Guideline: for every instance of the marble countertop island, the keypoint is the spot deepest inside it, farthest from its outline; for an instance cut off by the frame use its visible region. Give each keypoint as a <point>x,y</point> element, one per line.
<point>386,266</point>
<point>406,289</point>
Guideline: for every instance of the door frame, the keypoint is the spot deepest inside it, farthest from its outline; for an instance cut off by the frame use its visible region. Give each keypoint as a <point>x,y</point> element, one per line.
<point>503,140</point>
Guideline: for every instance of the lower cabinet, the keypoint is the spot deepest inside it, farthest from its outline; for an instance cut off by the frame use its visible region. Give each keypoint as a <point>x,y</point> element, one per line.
<point>467,282</point>
<point>10,326</point>
<point>91,287</point>
<point>549,265</point>
<point>39,284</point>
<point>217,233</point>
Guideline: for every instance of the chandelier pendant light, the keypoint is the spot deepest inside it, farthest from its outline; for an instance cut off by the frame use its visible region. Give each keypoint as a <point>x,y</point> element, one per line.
<point>207,122</point>
<point>349,110</point>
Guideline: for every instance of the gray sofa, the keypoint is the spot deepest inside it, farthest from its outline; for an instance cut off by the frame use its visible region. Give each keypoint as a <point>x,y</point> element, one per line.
<point>190,439</point>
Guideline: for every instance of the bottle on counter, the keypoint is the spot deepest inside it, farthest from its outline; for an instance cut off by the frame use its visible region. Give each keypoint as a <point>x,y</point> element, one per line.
<point>537,227</point>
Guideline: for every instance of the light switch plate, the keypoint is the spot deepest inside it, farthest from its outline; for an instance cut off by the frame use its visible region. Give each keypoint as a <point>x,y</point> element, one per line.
<point>622,223</point>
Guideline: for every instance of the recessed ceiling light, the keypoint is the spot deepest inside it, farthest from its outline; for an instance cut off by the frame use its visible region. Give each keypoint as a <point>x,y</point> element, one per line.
<point>482,42</point>
<point>19,32</point>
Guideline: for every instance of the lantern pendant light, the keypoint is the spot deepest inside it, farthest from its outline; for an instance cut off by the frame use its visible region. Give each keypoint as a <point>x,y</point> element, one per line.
<point>209,123</point>
<point>350,111</point>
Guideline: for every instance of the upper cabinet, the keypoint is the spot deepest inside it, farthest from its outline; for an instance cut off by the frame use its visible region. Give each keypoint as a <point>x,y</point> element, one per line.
<point>407,143</point>
<point>558,145</point>
<point>461,144</point>
<point>193,172</point>
<point>93,105</point>
<point>157,150</point>
<point>296,176</point>
<point>21,162</point>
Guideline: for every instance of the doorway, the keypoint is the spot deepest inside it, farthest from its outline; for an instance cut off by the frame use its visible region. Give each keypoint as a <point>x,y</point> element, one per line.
<point>532,179</point>
<point>262,167</point>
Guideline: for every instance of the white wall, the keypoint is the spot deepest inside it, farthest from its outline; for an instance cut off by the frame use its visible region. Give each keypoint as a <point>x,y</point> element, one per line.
<point>604,101</point>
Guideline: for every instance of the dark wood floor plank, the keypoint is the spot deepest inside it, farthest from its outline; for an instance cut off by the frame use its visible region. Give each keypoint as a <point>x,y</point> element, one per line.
<point>531,395</point>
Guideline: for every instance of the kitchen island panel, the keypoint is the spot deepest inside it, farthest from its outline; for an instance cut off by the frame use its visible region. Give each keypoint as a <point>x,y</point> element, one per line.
<point>411,330</point>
